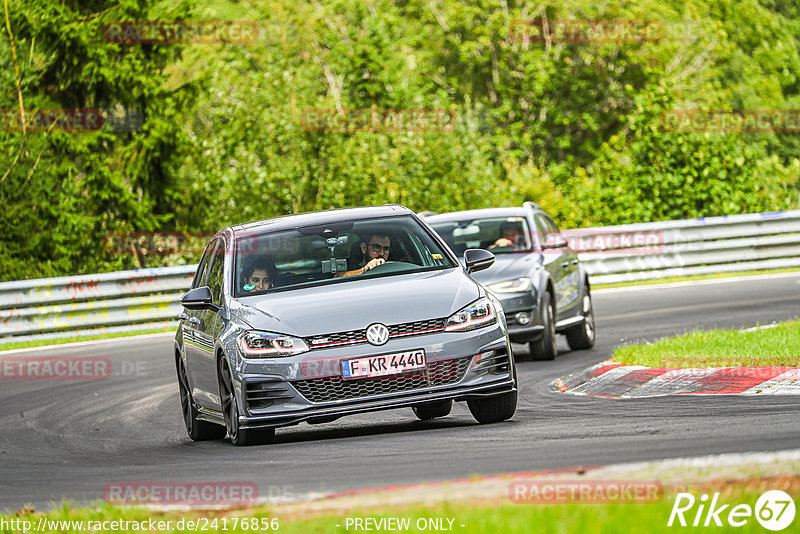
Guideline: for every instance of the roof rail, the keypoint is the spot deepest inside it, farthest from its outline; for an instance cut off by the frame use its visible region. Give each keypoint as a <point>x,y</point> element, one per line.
<point>427,213</point>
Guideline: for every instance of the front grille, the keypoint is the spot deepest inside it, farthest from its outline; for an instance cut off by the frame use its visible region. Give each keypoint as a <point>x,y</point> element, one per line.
<point>417,326</point>
<point>338,337</point>
<point>360,336</point>
<point>438,373</point>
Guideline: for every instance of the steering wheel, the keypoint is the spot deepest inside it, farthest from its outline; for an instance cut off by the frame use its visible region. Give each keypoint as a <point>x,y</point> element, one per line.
<point>391,267</point>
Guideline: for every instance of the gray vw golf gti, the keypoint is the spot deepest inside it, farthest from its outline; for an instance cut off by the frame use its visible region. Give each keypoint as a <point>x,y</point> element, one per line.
<point>312,317</point>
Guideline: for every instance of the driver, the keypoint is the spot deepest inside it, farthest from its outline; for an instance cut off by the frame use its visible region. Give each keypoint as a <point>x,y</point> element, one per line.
<point>375,251</point>
<point>510,234</point>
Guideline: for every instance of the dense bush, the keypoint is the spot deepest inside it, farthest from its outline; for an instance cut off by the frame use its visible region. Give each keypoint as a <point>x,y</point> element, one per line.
<point>576,126</point>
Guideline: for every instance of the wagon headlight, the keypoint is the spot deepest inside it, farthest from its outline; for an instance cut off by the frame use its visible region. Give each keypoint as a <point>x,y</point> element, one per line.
<point>479,313</point>
<point>518,285</point>
<point>255,344</point>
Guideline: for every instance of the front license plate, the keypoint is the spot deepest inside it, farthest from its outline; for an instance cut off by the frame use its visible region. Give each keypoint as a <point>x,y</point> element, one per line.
<point>388,364</point>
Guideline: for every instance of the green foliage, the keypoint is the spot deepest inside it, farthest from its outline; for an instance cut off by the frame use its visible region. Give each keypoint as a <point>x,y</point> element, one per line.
<point>62,190</point>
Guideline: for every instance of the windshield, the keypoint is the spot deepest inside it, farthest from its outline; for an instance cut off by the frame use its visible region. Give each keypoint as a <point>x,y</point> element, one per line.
<point>334,253</point>
<point>501,235</point>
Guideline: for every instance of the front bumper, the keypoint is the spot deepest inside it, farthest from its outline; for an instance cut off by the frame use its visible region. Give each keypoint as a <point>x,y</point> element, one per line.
<point>525,334</point>
<point>514,303</point>
<point>397,400</point>
<point>286,391</point>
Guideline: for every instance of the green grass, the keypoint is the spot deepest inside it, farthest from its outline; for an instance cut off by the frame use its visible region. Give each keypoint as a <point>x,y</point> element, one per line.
<point>44,342</point>
<point>501,516</point>
<point>719,348</point>
<point>711,276</point>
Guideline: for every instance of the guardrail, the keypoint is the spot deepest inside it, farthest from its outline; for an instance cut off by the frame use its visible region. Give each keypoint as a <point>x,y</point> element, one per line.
<point>691,246</point>
<point>91,304</point>
<point>149,298</point>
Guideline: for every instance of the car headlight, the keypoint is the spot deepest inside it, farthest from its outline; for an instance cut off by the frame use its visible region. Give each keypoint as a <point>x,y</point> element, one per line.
<point>479,313</point>
<point>518,285</point>
<point>255,344</point>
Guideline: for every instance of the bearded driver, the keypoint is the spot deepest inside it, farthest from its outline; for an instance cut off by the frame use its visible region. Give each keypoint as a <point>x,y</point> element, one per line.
<point>375,251</point>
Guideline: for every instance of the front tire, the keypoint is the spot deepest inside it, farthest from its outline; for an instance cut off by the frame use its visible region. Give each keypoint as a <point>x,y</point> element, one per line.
<point>493,409</point>
<point>545,347</point>
<point>230,412</point>
<point>196,429</point>
<point>431,410</point>
<point>582,337</point>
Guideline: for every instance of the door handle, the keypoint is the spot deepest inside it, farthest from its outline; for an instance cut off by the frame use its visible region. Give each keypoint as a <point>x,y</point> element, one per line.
<point>183,317</point>
<point>575,262</point>
<point>565,264</point>
<point>195,321</point>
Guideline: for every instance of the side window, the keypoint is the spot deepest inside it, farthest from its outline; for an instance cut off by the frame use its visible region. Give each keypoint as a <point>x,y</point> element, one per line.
<point>202,269</point>
<point>541,230</point>
<point>551,226</point>
<point>216,272</point>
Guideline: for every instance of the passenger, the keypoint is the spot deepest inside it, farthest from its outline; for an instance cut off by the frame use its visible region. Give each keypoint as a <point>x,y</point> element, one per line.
<point>259,274</point>
<point>374,252</point>
<point>511,235</point>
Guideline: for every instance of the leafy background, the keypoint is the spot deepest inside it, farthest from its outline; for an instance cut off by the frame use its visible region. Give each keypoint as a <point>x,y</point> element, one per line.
<point>575,127</point>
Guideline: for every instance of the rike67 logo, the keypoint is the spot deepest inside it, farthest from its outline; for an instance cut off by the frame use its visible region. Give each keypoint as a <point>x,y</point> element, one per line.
<point>774,510</point>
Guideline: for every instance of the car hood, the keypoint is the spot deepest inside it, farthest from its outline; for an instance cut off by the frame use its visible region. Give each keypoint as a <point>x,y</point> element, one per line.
<point>508,267</point>
<point>356,304</point>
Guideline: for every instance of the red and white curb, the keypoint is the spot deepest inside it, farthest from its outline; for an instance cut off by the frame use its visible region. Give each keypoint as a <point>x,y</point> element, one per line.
<point>614,380</point>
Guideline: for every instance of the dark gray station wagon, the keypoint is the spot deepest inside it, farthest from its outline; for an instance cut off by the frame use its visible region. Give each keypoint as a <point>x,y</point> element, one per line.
<point>543,286</point>
<point>308,318</point>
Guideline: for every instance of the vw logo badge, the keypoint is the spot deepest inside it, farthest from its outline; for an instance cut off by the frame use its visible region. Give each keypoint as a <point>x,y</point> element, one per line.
<point>377,334</point>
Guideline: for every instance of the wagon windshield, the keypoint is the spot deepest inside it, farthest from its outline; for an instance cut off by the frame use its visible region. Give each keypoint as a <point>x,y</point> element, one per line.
<point>334,253</point>
<point>501,235</point>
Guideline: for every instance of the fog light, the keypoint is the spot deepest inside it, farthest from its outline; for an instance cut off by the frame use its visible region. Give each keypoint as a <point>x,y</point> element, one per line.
<point>523,317</point>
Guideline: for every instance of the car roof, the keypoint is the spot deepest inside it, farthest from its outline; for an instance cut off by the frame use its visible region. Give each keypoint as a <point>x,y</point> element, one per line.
<point>516,211</point>
<point>288,222</point>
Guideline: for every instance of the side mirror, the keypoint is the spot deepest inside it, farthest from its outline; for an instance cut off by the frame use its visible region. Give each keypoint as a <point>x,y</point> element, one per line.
<point>477,259</point>
<point>199,298</point>
<point>555,241</point>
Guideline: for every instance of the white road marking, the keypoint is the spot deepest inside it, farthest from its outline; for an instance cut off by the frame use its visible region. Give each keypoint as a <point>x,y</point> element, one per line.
<point>673,382</point>
<point>698,282</point>
<point>760,327</point>
<point>142,337</point>
<point>609,376</point>
<point>787,383</point>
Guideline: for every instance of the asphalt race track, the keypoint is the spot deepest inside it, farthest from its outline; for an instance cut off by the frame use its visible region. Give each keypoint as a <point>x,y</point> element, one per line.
<point>68,439</point>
